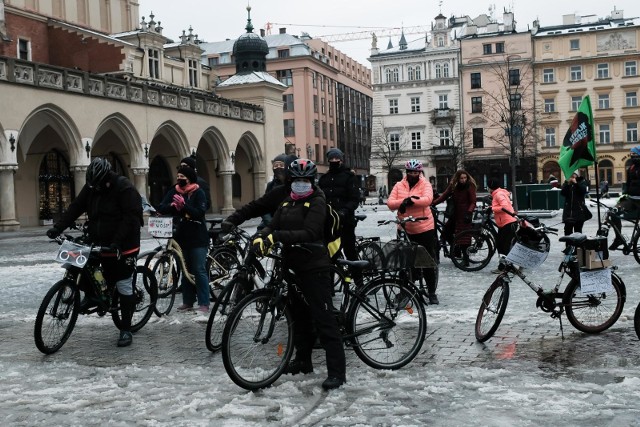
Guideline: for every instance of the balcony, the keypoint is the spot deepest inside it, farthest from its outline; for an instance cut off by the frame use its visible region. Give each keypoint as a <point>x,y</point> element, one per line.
<point>443,115</point>
<point>442,152</point>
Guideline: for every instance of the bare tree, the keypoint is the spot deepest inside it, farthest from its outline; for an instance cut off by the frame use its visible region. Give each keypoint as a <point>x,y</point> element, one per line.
<point>387,145</point>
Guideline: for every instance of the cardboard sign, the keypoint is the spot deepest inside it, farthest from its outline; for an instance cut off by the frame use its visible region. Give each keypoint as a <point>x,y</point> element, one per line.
<point>160,227</point>
<point>595,281</point>
<point>524,257</point>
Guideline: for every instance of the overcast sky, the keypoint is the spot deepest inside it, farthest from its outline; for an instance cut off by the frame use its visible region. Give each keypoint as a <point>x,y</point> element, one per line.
<point>216,20</point>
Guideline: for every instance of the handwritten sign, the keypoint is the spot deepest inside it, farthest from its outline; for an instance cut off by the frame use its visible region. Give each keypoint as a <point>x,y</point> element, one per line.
<point>161,228</point>
<point>526,257</point>
<point>595,281</point>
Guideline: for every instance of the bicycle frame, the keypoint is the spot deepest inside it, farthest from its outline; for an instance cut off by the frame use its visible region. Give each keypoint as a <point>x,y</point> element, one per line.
<point>608,224</point>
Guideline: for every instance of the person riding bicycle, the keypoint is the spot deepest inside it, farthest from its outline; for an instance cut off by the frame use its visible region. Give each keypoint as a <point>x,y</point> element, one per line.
<point>412,196</point>
<point>630,199</point>
<point>299,224</point>
<point>505,222</point>
<point>278,165</point>
<point>114,210</point>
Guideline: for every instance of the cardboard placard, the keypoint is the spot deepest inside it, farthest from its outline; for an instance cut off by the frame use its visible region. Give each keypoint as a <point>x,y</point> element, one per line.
<point>525,257</point>
<point>595,281</point>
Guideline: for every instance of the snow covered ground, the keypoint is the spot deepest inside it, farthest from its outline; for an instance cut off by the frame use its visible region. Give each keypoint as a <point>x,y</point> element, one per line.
<point>527,375</point>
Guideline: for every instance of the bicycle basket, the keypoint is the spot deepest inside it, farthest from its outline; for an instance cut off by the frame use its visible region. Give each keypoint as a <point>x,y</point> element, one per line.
<point>401,255</point>
<point>531,238</point>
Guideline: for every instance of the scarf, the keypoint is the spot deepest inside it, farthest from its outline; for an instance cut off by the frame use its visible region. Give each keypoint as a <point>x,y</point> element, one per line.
<point>295,196</point>
<point>187,189</point>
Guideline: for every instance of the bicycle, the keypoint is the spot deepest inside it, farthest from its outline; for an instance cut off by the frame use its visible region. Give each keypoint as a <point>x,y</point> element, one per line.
<point>630,245</point>
<point>257,342</point>
<point>368,248</point>
<point>61,305</point>
<point>591,310</point>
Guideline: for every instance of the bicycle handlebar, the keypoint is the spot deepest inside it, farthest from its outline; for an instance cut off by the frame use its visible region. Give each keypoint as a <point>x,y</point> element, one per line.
<point>401,221</point>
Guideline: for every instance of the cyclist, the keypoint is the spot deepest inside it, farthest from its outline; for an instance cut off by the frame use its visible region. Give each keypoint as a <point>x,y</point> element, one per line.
<point>186,201</point>
<point>299,221</point>
<point>191,162</point>
<point>279,178</point>
<point>630,200</point>
<point>114,209</point>
<point>340,186</point>
<point>412,196</point>
<point>505,222</point>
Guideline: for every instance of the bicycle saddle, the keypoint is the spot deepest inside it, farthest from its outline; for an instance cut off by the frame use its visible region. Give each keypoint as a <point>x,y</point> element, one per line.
<point>574,239</point>
<point>359,264</point>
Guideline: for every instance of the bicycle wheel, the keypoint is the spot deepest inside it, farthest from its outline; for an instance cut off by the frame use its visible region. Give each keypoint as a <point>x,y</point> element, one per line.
<point>145,291</point>
<point>257,342</point>
<point>594,313</point>
<point>387,323</point>
<point>56,316</point>
<point>339,295</point>
<point>636,321</point>
<point>232,293</point>
<point>222,265</point>
<point>635,248</point>
<point>494,304</point>
<point>472,250</point>
<point>166,276</point>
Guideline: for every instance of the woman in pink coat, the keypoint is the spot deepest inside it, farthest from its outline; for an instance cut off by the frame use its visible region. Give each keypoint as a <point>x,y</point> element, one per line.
<point>506,223</point>
<point>412,197</point>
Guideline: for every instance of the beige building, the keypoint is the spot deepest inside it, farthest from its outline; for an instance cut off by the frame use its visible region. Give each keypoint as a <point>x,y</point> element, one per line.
<point>93,79</point>
<point>598,58</point>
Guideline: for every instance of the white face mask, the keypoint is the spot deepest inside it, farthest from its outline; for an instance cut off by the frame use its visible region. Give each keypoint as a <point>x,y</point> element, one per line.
<point>301,187</point>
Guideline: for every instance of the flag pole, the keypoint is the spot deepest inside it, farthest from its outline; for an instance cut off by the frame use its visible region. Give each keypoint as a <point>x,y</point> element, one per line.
<point>595,164</point>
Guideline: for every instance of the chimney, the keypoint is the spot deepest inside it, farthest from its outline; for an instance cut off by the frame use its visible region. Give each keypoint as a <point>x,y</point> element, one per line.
<point>261,32</point>
<point>617,14</point>
<point>569,19</point>
<point>283,30</point>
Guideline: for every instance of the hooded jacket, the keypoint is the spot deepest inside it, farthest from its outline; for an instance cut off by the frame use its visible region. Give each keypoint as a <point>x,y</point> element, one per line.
<point>501,200</point>
<point>421,207</point>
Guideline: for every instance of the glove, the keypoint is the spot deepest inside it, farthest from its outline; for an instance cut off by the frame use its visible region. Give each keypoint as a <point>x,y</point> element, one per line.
<point>468,216</point>
<point>261,245</point>
<point>408,201</point>
<point>53,232</point>
<point>115,248</point>
<point>227,226</point>
<point>178,202</point>
<point>403,207</point>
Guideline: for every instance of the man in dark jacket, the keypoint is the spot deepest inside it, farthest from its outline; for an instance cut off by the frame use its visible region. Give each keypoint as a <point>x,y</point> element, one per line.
<point>340,187</point>
<point>114,208</point>
<point>278,165</point>
<point>191,162</point>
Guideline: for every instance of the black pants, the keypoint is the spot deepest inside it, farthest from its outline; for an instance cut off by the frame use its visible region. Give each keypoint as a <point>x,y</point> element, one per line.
<point>573,227</point>
<point>313,308</point>
<point>348,240</point>
<point>116,269</point>
<point>428,241</point>
<point>505,237</point>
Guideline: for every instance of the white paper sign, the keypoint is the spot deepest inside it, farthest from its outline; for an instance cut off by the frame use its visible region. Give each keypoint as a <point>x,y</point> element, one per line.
<point>160,227</point>
<point>595,281</point>
<point>525,257</point>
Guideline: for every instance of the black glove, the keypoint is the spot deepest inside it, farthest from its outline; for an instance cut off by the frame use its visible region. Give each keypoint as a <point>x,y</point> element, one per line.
<point>227,226</point>
<point>115,248</point>
<point>408,201</point>
<point>403,207</point>
<point>53,232</point>
<point>468,216</point>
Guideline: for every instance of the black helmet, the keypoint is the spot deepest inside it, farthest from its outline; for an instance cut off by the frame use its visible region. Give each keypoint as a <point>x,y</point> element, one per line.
<point>97,171</point>
<point>302,168</point>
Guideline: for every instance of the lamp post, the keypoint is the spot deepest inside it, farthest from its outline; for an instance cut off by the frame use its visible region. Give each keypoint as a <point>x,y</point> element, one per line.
<point>12,141</point>
<point>232,154</point>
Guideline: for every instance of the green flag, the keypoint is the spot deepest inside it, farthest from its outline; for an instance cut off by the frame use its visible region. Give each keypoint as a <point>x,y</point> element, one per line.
<point>579,147</point>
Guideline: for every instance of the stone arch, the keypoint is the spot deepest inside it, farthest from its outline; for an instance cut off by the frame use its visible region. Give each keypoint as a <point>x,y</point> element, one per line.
<point>212,157</point>
<point>126,132</point>
<point>248,164</point>
<point>171,131</point>
<point>549,168</point>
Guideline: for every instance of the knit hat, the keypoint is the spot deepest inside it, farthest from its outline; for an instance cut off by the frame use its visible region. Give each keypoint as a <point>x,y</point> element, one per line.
<point>189,161</point>
<point>335,153</point>
<point>493,183</point>
<point>189,173</point>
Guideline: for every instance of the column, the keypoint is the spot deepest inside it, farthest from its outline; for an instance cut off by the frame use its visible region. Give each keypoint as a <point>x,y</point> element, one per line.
<point>79,177</point>
<point>140,180</point>
<point>259,184</point>
<point>8,221</point>
<point>227,201</point>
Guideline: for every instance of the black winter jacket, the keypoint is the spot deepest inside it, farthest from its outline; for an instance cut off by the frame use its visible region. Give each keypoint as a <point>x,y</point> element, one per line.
<point>115,214</point>
<point>633,180</point>
<point>189,223</point>
<point>341,190</point>
<point>294,223</point>
<point>574,200</point>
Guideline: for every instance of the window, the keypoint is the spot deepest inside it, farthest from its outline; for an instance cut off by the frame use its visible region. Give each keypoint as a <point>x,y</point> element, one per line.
<point>287,102</point>
<point>550,137</point>
<point>24,49</point>
<point>478,138</point>
<point>438,71</point>
<point>285,77</point>
<point>548,75</point>
<point>213,61</point>
<point>415,104</point>
<point>603,101</point>
<point>631,99</point>
<point>550,105</point>
<point>605,134</point>
<point>154,63</point>
<point>316,129</point>
<point>322,106</point>
<point>315,103</point>
<point>476,104</point>
<point>331,132</point>
<point>395,75</point>
<point>630,68</point>
<point>500,47</point>
<point>575,102</point>
<point>603,71</point>
<point>193,73</point>
<point>515,101</point>
<point>394,141</point>
<point>574,44</point>
<point>289,127</point>
<point>411,75</point>
<point>486,49</point>
<point>330,108</point>
<point>443,102</point>
<point>322,79</point>
<point>575,73</point>
<point>440,41</point>
<point>314,79</point>
<point>388,75</point>
<point>283,53</point>
<point>443,136</point>
<point>514,77</point>
<point>393,106</point>
<point>329,85</point>
<point>418,72</point>
<point>324,130</point>
<point>445,70</point>
<point>476,81</point>
<point>632,132</point>
<point>416,143</point>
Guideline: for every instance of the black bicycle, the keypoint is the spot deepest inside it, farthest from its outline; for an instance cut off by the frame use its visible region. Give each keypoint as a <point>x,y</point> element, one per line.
<point>630,244</point>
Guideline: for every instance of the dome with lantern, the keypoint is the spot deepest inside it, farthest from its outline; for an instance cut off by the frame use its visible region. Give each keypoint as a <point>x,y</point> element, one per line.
<point>250,50</point>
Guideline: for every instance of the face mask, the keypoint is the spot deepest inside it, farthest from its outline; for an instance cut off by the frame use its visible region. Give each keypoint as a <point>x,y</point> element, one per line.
<point>412,179</point>
<point>182,183</point>
<point>279,174</point>
<point>300,187</point>
<point>334,166</point>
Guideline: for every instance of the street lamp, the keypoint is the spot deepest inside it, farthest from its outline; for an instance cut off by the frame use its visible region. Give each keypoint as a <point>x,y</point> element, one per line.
<point>12,141</point>
<point>232,154</point>
<point>87,148</point>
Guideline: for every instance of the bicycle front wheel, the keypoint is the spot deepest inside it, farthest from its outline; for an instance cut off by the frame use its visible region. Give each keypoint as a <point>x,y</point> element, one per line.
<point>597,312</point>
<point>635,248</point>
<point>222,265</point>
<point>166,276</point>
<point>145,292</point>
<point>56,317</point>
<point>472,250</point>
<point>636,321</point>
<point>223,306</point>
<point>257,342</point>
<point>494,304</point>
<point>387,323</point>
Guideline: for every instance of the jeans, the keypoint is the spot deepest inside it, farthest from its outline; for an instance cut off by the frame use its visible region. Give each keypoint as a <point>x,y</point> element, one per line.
<point>196,260</point>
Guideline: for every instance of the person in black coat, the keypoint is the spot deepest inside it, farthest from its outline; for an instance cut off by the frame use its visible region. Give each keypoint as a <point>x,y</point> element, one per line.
<point>299,225</point>
<point>574,191</point>
<point>279,166</point>
<point>340,186</point>
<point>204,185</point>
<point>114,209</point>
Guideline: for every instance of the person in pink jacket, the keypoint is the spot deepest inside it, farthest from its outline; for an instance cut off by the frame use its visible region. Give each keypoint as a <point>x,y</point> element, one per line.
<point>412,197</point>
<point>505,222</point>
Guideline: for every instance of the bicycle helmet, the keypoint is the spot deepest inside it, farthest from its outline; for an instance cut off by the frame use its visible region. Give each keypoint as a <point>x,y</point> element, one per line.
<point>302,168</point>
<point>335,153</point>
<point>97,171</point>
<point>413,165</point>
<point>635,151</point>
